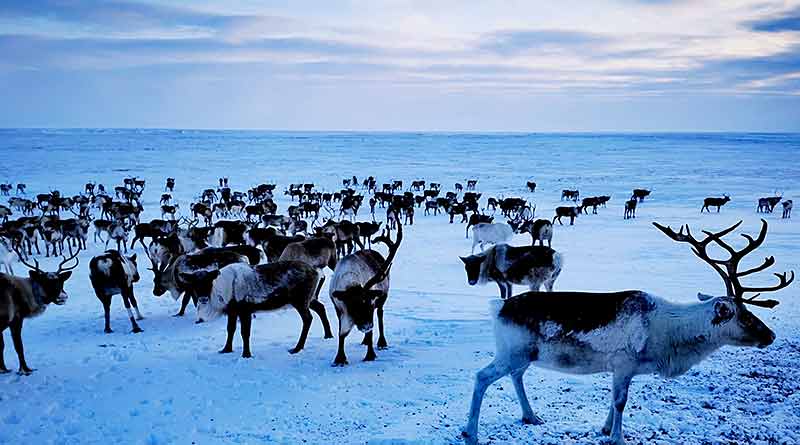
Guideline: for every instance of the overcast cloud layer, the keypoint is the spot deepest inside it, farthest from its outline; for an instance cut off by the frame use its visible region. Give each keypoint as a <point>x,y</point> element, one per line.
<point>402,64</point>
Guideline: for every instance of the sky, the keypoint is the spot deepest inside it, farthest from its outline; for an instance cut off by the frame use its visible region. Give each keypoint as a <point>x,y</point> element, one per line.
<point>450,65</point>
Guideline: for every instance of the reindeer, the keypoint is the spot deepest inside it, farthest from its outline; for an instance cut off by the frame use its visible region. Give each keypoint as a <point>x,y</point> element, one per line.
<point>21,188</point>
<point>491,233</point>
<point>714,202</point>
<point>531,186</point>
<point>571,212</point>
<point>540,230</point>
<point>533,266</point>
<point>630,209</point>
<point>112,273</point>
<point>626,333</point>
<point>5,212</point>
<point>475,219</point>
<point>359,286</point>
<point>170,185</point>
<point>239,290</point>
<point>640,194</point>
<point>22,298</point>
<point>767,205</point>
<point>787,209</point>
<point>471,183</point>
<point>570,194</point>
<point>169,210</point>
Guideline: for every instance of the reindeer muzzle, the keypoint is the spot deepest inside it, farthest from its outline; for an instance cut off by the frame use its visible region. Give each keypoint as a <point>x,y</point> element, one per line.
<point>62,298</point>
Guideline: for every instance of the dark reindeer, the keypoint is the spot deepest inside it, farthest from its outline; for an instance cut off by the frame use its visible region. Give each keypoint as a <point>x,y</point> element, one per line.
<point>113,273</point>
<point>714,202</point>
<point>22,298</point>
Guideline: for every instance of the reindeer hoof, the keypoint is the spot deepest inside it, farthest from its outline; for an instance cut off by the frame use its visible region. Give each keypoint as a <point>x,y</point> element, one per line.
<point>295,350</point>
<point>25,371</point>
<point>139,318</point>
<point>535,420</point>
<point>247,354</point>
<point>199,321</point>
<point>468,439</point>
<point>328,336</point>
<point>382,343</point>
<point>179,314</point>
<point>226,350</point>
<point>137,330</point>
<point>108,331</point>
<point>4,370</point>
<point>370,357</point>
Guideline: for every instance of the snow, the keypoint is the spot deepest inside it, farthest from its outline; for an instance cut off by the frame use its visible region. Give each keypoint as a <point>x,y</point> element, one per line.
<point>168,385</point>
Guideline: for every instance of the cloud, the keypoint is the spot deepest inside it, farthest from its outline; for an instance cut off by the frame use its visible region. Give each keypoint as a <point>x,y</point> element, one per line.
<point>787,21</point>
<point>509,42</point>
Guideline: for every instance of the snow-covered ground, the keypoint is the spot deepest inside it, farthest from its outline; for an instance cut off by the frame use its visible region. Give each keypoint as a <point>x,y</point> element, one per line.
<point>169,385</point>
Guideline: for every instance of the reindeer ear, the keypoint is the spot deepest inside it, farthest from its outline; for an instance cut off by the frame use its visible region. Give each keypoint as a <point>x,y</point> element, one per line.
<point>723,312</point>
<point>464,260</point>
<point>64,276</point>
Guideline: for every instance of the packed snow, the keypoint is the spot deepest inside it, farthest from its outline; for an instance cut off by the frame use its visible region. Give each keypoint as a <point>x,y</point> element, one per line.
<point>168,385</point>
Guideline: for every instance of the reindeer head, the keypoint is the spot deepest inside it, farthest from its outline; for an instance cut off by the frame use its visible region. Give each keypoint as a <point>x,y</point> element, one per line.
<point>361,300</point>
<point>472,265</point>
<point>731,319</point>
<point>48,287</point>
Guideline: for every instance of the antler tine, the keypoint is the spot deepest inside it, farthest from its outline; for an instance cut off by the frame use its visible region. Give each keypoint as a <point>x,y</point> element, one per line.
<point>768,261</point>
<point>35,265</point>
<point>784,282</point>
<point>66,260</point>
<point>387,264</point>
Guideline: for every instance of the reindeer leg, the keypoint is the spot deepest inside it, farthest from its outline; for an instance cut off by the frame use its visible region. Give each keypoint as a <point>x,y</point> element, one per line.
<point>621,383</point>
<point>528,417</point>
<point>184,303</point>
<point>246,320</point>
<point>306,316</point>
<point>370,351</point>
<point>126,295</point>
<point>16,337</point>
<point>319,308</point>
<point>106,301</point>
<point>135,306</point>
<point>381,337</point>
<point>483,379</point>
<point>341,358</point>
<point>232,315</point>
<point>3,369</point>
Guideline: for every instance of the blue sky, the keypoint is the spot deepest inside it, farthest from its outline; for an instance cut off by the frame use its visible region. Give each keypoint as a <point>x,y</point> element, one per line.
<point>466,65</point>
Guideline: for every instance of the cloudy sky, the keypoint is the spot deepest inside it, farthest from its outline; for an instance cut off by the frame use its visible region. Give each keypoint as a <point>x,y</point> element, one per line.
<point>624,65</point>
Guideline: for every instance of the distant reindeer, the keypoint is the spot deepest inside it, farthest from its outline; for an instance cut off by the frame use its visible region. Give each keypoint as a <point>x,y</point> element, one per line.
<point>714,202</point>
<point>640,194</point>
<point>533,266</point>
<point>471,183</point>
<point>541,230</point>
<point>571,212</point>
<point>787,209</point>
<point>570,194</point>
<point>531,186</point>
<point>767,205</point>
<point>630,209</point>
<point>626,333</point>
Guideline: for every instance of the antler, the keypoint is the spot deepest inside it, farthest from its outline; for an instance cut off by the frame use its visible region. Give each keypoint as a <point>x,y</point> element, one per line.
<point>66,260</point>
<point>387,264</point>
<point>728,269</point>
<point>21,257</point>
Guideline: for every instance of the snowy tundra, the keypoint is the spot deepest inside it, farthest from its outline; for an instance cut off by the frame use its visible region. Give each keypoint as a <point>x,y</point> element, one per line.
<point>168,385</point>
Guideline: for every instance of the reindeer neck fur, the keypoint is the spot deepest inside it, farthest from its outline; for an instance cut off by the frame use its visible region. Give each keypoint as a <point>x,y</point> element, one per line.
<point>487,265</point>
<point>35,304</point>
<point>684,336</point>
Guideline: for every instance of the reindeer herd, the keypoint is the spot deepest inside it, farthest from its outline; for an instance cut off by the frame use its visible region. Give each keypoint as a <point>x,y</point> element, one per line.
<point>233,253</point>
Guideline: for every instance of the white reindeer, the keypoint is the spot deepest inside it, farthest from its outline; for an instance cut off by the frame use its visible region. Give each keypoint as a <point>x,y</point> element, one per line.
<point>491,233</point>
<point>626,333</point>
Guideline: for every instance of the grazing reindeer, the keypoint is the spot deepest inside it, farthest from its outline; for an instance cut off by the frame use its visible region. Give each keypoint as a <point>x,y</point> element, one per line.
<point>169,210</point>
<point>630,209</point>
<point>239,290</point>
<point>540,230</point>
<point>640,194</point>
<point>626,333</point>
<point>491,233</point>
<point>21,188</point>
<point>571,212</point>
<point>471,183</point>
<point>767,205</point>
<point>714,202</point>
<point>532,266</point>
<point>22,298</point>
<point>359,286</point>
<point>787,209</point>
<point>112,273</point>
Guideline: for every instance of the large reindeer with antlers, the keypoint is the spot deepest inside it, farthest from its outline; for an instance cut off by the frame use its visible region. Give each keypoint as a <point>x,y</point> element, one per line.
<point>22,298</point>
<point>626,333</point>
<point>359,286</point>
